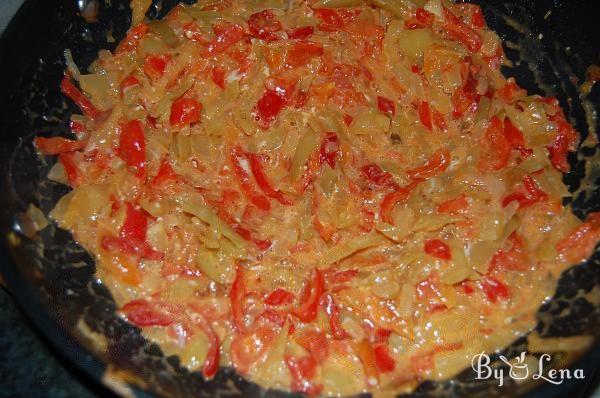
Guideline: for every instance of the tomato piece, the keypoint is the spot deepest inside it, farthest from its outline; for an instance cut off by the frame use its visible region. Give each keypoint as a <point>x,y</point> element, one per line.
<point>333,312</point>
<point>263,182</point>
<point>437,164</point>
<point>268,107</point>
<point>515,138</point>
<point>315,343</point>
<point>329,150</point>
<point>513,259</point>
<point>237,295</point>
<point>494,289</point>
<point>384,361</point>
<point>144,313</point>
<point>263,25</point>
<point>211,362</point>
<point>68,88</point>
<point>454,206</point>
<point>155,66</point>
<point>279,297</point>
<point>132,147</point>
<point>74,174</point>
<point>218,76</point>
<point>301,53</point>
<point>133,38</point>
<point>425,115</point>
<point>247,348</point>
<point>495,149</point>
<point>437,248</point>
<point>57,145</point>
<point>242,169</point>
<point>226,37</point>
<point>309,298</point>
<point>461,32</point>
<point>185,111</point>
<point>580,243</point>
<point>392,199</point>
<point>422,19</point>
<point>375,175</point>
<point>386,106</point>
<point>300,33</point>
<point>532,194</point>
<point>302,371</point>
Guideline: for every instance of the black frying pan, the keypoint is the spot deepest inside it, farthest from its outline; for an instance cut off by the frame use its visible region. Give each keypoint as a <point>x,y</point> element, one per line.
<point>53,278</point>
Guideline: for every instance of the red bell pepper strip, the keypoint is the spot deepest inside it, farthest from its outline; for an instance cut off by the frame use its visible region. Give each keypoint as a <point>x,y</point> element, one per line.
<point>263,25</point>
<point>268,107</point>
<point>155,66</point>
<point>386,106</point>
<point>425,115</point>
<point>185,111</point>
<point>465,100</point>
<point>454,206</point>
<point>279,296</point>
<point>329,150</point>
<point>437,248</point>
<point>225,38</point>
<point>68,88</point>
<point>218,76</point>
<point>128,83</point>
<point>132,147</point>
<point>242,169</point>
<point>494,289</point>
<point>144,313</point>
<point>513,259</point>
<point>237,295</point>
<point>57,145</point>
<point>461,32</point>
<point>263,181</point>
<point>422,19</point>
<point>315,343</point>
<point>333,312</point>
<point>377,176</point>
<point>515,138</point>
<point>74,174</point>
<point>211,362</point>
<point>580,243</point>
<point>392,199</point>
<point>309,298</point>
<point>301,53</point>
<point>566,141</point>
<point>334,19</point>
<point>383,360</point>
<point>438,163</point>
<point>132,40</point>
<point>303,370</point>
<point>165,174</point>
<point>495,149</point>
<point>532,194</point>
<point>300,33</point>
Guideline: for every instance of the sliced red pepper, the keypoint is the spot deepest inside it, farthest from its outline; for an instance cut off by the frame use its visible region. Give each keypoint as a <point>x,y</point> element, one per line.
<point>515,138</point>
<point>495,150</point>
<point>333,312</point>
<point>74,174</point>
<point>249,347</point>
<point>165,174</point>
<point>279,297</point>
<point>268,107</point>
<point>386,106</point>
<point>422,19</point>
<point>185,111</point>
<point>510,92</point>
<point>57,145</point>
<point>263,25</point>
<point>494,289</point>
<point>454,206</point>
<point>132,40</point>
<point>302,52</point>
<point>211,362</point>
<point>144,313</point>
<point>532,194</point>
<point>461,32</point>
<point>68,88</point>
<point>513,259</point>
<point>263,182</point>
<point>155,66</point>
<point>315,343</point>
<point>343,276</point>
<point>303,370</point>
<point>580,243</point>
<point>300,33</point>
<point>437,164</point>
<point>218,76</point>
<point>425,115</point>
<point>226,38</point>
<point>128,83</point>
<point>309,298</point>
<point>237,295</point>
<point>348,119</point>
<point>437,248</point>
<point>329,149</point>
<point>331,20</point>
<point>132,147</point>
<point>465,100</point>
<point>242,169</point>
<point>392,199</point>
<point>374,174</point>
<point>384,361</point>
<point>566,141</point>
